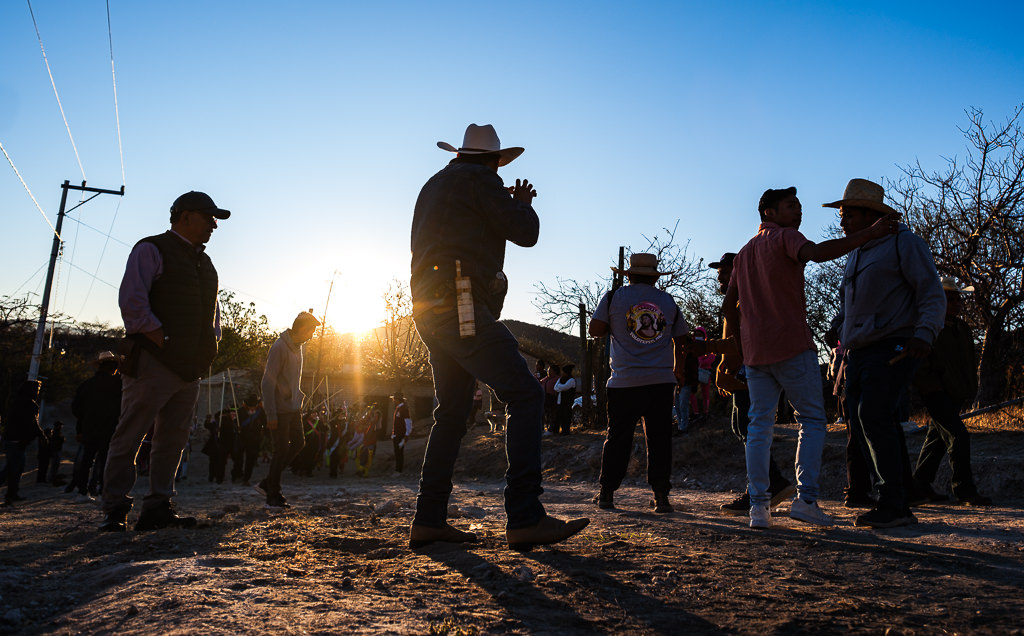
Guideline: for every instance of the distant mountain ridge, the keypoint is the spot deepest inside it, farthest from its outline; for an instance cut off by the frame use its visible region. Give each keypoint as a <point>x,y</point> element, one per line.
<point>545,343</point>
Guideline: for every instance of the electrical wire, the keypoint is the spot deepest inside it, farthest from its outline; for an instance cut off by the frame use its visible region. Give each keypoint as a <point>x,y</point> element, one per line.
<point>102,253</point>
<point>97,230</point>
<point>31,196</point>
<point>30,279</point>
<point>113,79</point>
<point>54,84</point>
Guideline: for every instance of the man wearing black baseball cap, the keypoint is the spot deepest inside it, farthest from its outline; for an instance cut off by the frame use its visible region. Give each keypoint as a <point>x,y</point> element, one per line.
<point>168,300</point>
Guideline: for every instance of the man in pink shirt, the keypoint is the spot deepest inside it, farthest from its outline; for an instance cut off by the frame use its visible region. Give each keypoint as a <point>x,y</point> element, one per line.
<point>777,347</point>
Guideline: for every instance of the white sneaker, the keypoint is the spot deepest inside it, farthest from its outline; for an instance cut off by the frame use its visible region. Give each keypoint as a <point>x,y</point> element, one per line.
<point>809,513</point>
<point>760,517</point>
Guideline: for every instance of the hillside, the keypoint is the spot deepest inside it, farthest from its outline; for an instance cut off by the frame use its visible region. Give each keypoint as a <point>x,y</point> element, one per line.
<point>545,343</point>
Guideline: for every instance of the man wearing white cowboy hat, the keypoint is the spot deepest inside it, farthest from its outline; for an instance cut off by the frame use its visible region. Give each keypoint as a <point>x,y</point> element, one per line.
<point>777,348</point>
<point>891,308</point>
<point>463,217</point>
<point>648,333</point>
<point>947,380</point>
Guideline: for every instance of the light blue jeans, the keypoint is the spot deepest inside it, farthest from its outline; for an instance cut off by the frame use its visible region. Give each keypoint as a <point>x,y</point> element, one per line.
<point>800,378</point>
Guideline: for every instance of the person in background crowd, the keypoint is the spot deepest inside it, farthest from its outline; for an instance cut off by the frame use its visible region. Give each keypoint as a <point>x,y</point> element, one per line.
<point>947,380</point>
<point>550,399</point>
<point>282,402</point>
<point>401,430</point>
<point>49,455</point>
<point>247,443</point>
<point>20,428</point>
<point>96,407</point>
<point>566,389</point>
<point>700,399</point>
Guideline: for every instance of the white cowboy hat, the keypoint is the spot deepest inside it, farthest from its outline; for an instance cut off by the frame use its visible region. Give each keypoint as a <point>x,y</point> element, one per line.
<point>642,264</point>
<point>863,194</point>
<point>105,356</point>
<point>479,140</point>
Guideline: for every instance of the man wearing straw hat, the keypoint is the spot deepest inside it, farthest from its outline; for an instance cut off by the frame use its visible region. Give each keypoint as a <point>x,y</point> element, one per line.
<point>464,215</point>
<point>282,402</point>
<point>648,333</point>
<point>891,308</point>
<point>947,380</point>
<point>168,300</point>
<point>777,348</point>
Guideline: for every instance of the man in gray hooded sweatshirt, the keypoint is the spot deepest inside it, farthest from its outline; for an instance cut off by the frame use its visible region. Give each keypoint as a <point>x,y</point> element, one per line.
<point>282,401</point>
<point>891,309</point>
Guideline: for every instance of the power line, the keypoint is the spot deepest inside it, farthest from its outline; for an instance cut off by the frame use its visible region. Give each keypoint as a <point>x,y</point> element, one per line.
<point>30,279</point>
<point>117,115</point>
<point>102,253</point>
<point>54,84</point>
<point>99,231</point>
<point>32,196</point>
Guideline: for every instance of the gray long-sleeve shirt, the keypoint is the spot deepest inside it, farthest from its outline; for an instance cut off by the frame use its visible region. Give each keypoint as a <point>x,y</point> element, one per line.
<point>890,289</point>
<point>281,392</point>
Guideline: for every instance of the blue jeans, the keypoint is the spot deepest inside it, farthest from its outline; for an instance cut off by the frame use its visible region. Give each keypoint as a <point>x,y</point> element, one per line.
<point>493,357</point>
<point>683,407</point>
<point>874,389</point>
<point>800,378</point>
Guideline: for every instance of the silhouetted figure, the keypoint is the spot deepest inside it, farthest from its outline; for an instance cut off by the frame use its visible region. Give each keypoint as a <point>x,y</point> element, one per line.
<point>168,300</point>
<point>20,428</point>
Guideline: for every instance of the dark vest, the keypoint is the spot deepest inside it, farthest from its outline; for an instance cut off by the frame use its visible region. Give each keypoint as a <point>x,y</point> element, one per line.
<point>184,298</point>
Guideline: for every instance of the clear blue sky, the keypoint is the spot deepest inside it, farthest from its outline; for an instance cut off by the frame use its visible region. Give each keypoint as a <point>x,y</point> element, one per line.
<point>316,123</point>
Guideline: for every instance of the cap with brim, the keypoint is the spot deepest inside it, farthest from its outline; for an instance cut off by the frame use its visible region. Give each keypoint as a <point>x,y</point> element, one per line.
<point>949,284</point>
<point>862,193</point>
<point>726,260</point>
<point>198,202</point>
<point>481,140</point>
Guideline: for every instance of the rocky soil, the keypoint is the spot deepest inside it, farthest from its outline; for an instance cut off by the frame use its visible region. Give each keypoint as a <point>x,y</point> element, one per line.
<point>339,562</point>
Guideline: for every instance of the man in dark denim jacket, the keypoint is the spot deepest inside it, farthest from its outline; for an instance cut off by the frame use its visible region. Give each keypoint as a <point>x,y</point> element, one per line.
<point>464,214</point>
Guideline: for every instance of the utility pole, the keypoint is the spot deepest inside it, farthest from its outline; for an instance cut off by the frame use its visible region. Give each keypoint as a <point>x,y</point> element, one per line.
<point>44,307</point>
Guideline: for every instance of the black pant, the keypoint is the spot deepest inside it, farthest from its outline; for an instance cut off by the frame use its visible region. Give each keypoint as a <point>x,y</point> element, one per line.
<point>89,454</point>
<point>740,422</point>
<point>946,434</point>
<point>626,406</point>
<point>399,445</point>
<point>246,452</point>
<point>15,466</point>
<point>563,416</point>
<point>288,442</point>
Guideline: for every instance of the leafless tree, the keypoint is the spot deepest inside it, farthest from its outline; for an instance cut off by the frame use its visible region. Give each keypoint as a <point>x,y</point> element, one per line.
<point>396,351</point>
<point>690,283</point>
<point>971,213</point>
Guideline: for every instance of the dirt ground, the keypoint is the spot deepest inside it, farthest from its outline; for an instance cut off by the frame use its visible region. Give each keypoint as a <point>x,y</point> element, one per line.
<point>339,562</point>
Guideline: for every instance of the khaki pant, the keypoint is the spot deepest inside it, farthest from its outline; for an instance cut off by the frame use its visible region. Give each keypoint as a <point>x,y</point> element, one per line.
<point>155,398</point>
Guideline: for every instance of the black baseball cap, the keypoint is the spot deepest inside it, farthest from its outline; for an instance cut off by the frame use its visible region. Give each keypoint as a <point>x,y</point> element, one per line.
<point>726,260</point>
<point>199,202</point>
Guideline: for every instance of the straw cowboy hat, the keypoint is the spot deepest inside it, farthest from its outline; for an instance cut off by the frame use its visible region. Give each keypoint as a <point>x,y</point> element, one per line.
<point>643,265</point>
<point>480,140</point>
<point>949,284</point>
<point>863,194</point>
